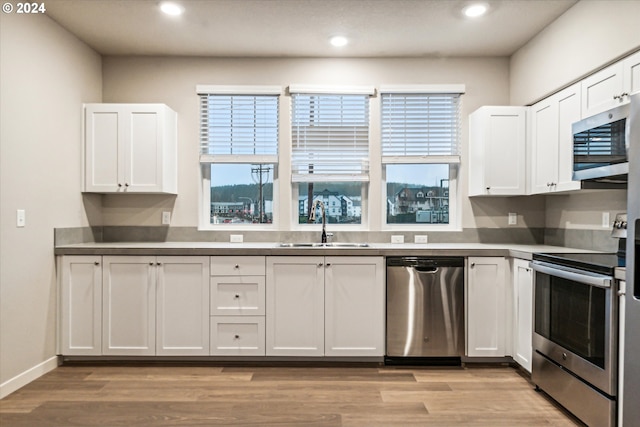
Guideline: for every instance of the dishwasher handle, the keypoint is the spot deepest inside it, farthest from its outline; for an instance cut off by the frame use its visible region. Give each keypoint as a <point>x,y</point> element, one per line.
<point>426,270</point>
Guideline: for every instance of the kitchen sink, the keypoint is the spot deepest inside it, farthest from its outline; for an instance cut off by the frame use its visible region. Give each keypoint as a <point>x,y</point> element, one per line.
<point>324,245</point>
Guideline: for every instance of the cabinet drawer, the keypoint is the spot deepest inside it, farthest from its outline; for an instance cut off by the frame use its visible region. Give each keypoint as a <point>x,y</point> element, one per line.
<point>237,266</point>
<point>232,295</point>
<point>237,335</point>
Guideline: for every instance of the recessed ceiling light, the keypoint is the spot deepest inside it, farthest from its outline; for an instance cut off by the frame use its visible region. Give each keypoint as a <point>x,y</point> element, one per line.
<point>475,10</point>
<point>172,9</point>
<point>338,41</point>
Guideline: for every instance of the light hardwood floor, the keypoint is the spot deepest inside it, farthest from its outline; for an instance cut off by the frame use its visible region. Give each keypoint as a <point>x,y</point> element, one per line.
<point>151,395</point>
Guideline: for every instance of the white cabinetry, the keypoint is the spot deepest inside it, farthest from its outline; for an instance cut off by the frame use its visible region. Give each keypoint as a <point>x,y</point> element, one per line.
<point>611,86</point>
<point>237,304</point>
<point>130,148</point>
<point>155,305</point>
<point>487,312</point>
<point>354,306</point>
<point>497,150</point>
<point>331,306</point>
<point>552,141</point>
<point>523,313</point>
<point>80,305</point>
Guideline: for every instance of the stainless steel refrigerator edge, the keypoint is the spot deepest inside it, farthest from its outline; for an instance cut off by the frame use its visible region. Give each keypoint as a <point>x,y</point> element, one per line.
<point>631,379</point>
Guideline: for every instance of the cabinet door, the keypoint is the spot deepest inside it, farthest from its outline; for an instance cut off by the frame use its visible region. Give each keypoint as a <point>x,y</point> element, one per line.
<point>600,89</point>
<point>129,308</point>
<point>544,146</point>
<point>631,74</point>
<point>497,138</point>
<point>523,313</point>
<point>143,148</point>
<point>104,129</point>
<point>568,101</point>
<point>182,306</point>
<point>486,307</point>
<point>354,306</point>
<point>295,306</point>
<point>81,306</point>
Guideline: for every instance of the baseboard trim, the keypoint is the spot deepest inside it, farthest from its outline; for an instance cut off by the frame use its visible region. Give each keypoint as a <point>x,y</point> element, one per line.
<point>32,374</point>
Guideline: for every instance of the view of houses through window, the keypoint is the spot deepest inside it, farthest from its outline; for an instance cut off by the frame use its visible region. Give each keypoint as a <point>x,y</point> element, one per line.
<point>342,201</point>
<point>417,194</point>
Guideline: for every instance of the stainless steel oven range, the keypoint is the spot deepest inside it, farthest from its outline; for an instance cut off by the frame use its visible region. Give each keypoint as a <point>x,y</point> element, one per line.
<point>575,338</point>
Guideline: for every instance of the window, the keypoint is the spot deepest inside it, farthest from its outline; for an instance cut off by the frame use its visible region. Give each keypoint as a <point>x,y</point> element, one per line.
<point>238,154</point>
<point>420,152</point>
<point>330,151</point>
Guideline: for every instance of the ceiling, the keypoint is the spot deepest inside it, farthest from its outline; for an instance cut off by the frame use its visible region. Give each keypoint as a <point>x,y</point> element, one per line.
<point>301,28</point>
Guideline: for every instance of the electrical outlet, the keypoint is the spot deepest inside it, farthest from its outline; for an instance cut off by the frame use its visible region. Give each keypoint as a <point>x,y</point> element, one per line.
<point>513,218</point>
<point>166,218</point>
<point>236,238</point>
<point>397,238</point>
<point>420,238</point>
<point>21,218</point>
<point>605,220</point>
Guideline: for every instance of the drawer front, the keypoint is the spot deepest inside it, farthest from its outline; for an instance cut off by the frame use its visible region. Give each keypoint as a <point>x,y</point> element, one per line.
<point>231,295</point>
<point>237,266</point>
<point>237,335</point>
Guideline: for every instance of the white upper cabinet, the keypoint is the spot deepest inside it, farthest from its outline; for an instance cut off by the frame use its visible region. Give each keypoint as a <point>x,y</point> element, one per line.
<point>611,86</point>
<point>130,148</point>
<point>552,141</point>
<point>497,145</point>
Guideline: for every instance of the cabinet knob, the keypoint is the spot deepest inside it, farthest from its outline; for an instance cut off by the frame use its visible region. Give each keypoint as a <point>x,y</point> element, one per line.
<point>320,264</point>
<point>237,296</point>
<point>126,184</point>
<point>150,263</point>
<point>158,263</point>
<point>237,336</point>
<point>488,188</point>
<point>236,266</point>
<point>119,185</point>
<point>96,263</point>
<point>328,264</point>
<point>473,264</point>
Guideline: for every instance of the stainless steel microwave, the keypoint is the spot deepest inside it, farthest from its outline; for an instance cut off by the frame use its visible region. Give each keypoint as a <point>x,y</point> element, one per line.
<point>600,146</point>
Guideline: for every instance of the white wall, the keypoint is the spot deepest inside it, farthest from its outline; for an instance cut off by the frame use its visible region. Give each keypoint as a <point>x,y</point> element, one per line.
<point>45,76</point>
<point>588,36</point>
<point>173,80</point>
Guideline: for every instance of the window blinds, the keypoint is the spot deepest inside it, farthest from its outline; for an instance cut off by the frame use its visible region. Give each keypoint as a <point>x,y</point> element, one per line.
<point>330,137</point>
<point>238,128</point>
<point>420,127</point>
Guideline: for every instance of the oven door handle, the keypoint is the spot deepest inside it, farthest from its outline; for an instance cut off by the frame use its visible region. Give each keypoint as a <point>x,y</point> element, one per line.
<point>593,279</point>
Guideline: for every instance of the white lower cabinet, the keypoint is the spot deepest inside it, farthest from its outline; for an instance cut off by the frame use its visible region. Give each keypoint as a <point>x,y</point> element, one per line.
<point>80,305</point>
<point>155,305</point>
<point>237,306</point>
<point>487,312</point>
<point>325,306</point>
<point>523,313</point>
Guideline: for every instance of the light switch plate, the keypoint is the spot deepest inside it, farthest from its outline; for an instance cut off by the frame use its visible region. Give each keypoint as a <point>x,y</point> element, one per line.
<point>21,218</point>
<point>397,238</point>
<point>605,220</point>
<point>236,238</point>
<point>513,218</point>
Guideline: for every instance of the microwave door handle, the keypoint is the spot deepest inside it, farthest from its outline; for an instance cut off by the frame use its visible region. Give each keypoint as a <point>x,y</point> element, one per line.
<point>595,280</point>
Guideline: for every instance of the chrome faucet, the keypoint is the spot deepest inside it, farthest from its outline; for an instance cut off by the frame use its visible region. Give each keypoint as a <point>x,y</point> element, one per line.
<point>312,218</point>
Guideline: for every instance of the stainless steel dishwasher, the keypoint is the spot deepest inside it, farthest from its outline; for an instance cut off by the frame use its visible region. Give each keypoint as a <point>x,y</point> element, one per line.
<point>425,310</point>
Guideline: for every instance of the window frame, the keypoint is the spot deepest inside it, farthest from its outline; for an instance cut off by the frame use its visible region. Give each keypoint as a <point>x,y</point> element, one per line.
<point>365,183</point>
<point>206,160</point>
<point>455,199</point>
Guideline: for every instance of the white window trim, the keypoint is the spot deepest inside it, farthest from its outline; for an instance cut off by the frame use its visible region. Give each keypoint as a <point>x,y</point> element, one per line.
<point>331,89</point>
<point>455,197</point>
<point>205,161</point>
